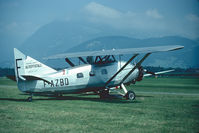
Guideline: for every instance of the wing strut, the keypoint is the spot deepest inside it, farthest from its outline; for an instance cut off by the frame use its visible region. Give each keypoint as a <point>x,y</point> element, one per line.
<point>120,70</point>
<point>69,62</point>
<point>136,66</point>
<point>82,60</point>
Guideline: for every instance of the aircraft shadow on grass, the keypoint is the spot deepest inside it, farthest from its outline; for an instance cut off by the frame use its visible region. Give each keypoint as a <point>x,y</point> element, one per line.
<point>77,97</point>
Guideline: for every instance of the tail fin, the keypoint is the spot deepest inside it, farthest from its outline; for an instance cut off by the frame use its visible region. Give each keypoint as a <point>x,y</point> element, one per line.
<point>25,65</point>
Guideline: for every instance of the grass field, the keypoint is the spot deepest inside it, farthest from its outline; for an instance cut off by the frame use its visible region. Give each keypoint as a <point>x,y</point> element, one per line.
<point>162,105</point>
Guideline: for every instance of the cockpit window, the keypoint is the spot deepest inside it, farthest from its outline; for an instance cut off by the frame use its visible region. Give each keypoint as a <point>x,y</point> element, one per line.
<point>105,59</point>
<point>90,59</point>
<point>80,75</point>
<point>92,73</point>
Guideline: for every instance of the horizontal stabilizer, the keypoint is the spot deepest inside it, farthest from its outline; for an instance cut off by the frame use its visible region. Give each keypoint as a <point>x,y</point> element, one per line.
<point>117,51</point>
<point>30,77</point>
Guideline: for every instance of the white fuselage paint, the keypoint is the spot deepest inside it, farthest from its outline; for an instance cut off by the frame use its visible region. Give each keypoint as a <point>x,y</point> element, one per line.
<point>71,80</point>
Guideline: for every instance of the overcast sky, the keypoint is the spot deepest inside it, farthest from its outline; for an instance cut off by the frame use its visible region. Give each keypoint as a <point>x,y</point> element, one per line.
<point>19,19</point>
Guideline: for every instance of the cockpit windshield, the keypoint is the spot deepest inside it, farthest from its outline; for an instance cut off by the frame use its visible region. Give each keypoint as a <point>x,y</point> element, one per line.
<point>104,59</point>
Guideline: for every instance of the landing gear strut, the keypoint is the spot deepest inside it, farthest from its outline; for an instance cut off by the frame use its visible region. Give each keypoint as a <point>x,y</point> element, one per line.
<point>129,95</point>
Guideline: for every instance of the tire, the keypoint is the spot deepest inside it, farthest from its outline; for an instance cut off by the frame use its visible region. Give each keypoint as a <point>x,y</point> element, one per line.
<point>104,94</point>
<point>130,95</point>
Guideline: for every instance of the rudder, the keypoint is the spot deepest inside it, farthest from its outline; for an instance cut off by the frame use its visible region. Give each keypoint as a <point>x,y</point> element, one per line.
<point>25,65</point>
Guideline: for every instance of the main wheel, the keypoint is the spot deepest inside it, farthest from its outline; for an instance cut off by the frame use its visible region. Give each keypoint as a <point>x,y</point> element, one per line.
<point>130,95</point>
<point>104,94</point>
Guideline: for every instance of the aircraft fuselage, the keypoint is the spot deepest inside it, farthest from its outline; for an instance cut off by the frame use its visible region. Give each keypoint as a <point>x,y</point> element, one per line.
<point>87,77</point>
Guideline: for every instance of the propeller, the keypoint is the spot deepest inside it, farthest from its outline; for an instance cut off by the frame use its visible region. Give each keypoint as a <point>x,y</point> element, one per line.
<point>142,73</point>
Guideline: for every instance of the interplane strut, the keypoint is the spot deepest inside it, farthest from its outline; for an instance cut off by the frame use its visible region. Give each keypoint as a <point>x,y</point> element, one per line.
<point>120,70</point>
<point>136,66</point>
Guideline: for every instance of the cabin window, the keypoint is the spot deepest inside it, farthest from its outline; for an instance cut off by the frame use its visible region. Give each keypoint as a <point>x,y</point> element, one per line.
<point>104,71</point>
<point>80,75</point>
<point>92,73</point>
<point>104,59</point>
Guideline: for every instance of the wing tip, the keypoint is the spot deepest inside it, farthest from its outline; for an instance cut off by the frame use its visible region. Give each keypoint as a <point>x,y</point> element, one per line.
<point>177,47</point>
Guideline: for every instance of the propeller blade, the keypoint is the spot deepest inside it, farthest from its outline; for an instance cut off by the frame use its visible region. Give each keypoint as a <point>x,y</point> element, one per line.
<point>156,73</point>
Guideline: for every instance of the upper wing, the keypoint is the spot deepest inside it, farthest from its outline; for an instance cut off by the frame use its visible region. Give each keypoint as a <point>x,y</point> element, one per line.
<point>117,51</point>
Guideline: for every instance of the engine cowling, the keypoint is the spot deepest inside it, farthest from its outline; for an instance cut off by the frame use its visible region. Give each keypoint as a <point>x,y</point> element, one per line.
<point>141,73</point>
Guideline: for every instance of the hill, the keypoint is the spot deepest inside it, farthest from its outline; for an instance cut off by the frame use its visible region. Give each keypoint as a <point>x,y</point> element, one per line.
<point>187,57</point>
<point>58,36</point>
<point>61,36</point>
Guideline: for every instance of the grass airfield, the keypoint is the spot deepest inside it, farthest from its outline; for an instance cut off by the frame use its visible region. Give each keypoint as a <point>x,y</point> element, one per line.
<point>162,105</point>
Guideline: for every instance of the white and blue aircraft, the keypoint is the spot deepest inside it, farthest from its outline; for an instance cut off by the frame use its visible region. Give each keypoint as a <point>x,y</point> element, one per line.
<point>100,72</point>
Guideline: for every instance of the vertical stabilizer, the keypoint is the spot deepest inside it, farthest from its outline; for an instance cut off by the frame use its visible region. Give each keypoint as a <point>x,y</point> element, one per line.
<point>25,65</point>
<point>19,65</point>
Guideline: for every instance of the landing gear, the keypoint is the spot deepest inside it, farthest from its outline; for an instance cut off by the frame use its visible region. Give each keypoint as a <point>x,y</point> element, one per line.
<point>130,95</point>
<point>104,93</point>
<point>30,98</point>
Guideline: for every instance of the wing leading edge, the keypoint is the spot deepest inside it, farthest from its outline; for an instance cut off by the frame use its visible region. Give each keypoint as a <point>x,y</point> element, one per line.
<point>117,51</point>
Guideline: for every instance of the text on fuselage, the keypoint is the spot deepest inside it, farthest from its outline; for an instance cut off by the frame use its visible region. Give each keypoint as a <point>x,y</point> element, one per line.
<point>33,66</point>
<point>57,83</point>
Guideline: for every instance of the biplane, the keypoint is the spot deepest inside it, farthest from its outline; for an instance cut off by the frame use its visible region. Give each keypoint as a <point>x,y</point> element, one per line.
<point>99,72</point>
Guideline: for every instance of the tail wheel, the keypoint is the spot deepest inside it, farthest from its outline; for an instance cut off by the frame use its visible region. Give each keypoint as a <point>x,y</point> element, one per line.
<point>29,99</point>
<point>130,95</point>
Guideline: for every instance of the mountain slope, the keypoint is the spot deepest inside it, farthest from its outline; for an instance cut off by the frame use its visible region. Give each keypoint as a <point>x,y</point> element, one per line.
<point>58,36</point>
<point>62,36</point>
<point>108,42</point>
<point>187,57</point>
